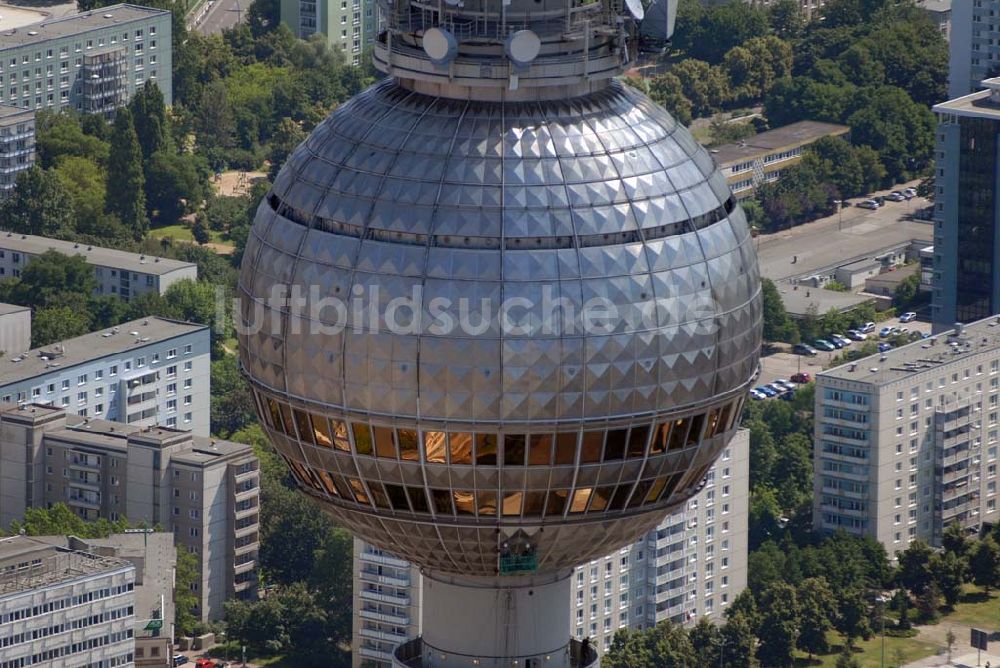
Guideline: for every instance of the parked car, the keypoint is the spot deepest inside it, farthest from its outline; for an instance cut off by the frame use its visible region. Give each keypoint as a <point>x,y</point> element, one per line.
<point>868,204</point>
<point>885,332</point>
<point>781,382</point>
<point>909,316</point>
<point>909,193</point>
<point>895,196</point>
<point>778,387</point>
<point>767,391</point>
<point>804,349</point>
<point>839,337</point>
<point>823,344</point>
<point>801,377</point>
<point>836,343</point>
<point>856,335</point>
<point>867,328</point>
<point>180,660</point>
<point>884,346</point>
<point>757,395</point>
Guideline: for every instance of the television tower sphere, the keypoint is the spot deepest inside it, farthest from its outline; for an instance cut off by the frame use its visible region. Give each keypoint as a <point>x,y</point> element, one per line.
<point>500,312</point>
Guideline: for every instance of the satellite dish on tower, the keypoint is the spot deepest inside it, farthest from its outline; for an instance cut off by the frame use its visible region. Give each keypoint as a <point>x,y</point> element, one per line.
<point>440,46</point>
<point>523,46</point>
<point>635,8</point>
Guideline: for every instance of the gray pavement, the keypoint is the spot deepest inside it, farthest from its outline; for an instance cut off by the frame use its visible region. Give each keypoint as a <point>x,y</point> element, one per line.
<point>219,15</point>
<point>839,238</point>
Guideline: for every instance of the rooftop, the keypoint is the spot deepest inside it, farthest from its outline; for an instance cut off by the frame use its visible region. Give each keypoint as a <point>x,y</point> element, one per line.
<point>788,136</point>
<point>28,563</point>
<point>922,356</point>
<point>935,5</point>
<point>106,257</point>
<point>798,303</point>
<point>12,17</point>
<point>93,346</point>
<point>7,309</point>
<point>983,103</point>
<point>76,24</point>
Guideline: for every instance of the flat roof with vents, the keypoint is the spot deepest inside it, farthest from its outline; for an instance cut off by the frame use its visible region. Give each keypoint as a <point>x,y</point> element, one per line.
<point>96,255</point>
<point>36,32</point>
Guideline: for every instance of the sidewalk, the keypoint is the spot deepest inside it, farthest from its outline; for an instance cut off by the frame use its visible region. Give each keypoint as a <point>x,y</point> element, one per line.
<point>965,660</point>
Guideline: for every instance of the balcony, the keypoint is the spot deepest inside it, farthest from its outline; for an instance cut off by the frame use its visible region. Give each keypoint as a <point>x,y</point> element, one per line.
<point>410,655</point>
<point>385,559</point>
<point>386,636</point>
<point>385,598</point>
<point>371,653</point>
<point>249,547</point>
<point>245,567</point>
<point>85,463</point>
<point>373,576</point>
<point>385,617</point>
<point>85,501</point>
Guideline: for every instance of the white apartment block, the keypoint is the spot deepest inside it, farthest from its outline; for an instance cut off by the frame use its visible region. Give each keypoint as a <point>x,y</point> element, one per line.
<point>906,441</point>
<point>118,272</point>
<point>205,491</point>
<point>145,372</point>
<point>59,607</point>
<point>691,566</point>
<point>975,45</point>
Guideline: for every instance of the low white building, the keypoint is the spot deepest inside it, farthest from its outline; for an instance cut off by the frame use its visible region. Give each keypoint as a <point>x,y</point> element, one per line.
<point>15,329</point>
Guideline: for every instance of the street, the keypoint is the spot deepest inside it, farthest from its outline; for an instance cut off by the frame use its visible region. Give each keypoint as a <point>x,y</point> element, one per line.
<point>840,238</point>
<point>218,15</point>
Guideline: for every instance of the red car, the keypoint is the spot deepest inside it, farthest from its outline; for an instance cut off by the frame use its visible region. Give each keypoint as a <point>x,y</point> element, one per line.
<point>801,377</point>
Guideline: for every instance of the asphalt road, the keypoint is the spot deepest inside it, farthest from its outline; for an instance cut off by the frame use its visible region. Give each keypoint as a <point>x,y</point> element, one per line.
<point>219,15</point>
<point>841,238</point>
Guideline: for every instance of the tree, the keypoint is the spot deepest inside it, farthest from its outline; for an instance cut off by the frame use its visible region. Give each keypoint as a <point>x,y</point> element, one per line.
<point>706,638</point>
<point>779,625</point>
<point>666,644</point>
<point>149,114</point>
<point>57,323</point>
<point>39,204</point>
<point>173,186</point>
<point>786,18</point>
<point>738,643</point>
<point>907,292</point>
<point>899,129</point>
<point>59,520</point>
<point>852,620</point>
<point>954,539</point>
<point>846,659</point>
<point>765,516</point>
<point>914,572</point>
<point>54,279</point>
<point>286,138</point>
<point>819,608</point>
<point>127,199</point>
<point>61,135</point>
<point>793,471</point>
<point>185,599</point>
<point>948,572</point>
<point>929,602</point>
<point>232,402</point>
<point>705,86</point>
<point>666,90</point>
<point>984,563</point>
<point>720,28</point>
<point>778,326</point>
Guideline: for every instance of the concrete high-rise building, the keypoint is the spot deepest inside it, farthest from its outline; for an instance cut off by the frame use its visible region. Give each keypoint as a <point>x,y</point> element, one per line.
<point>206,491</point>
<point>155,560</point>
<point>349,25</point>
<point>119,273</point>
<point>60,607</point>
<point>91,62</point>
<point>500,167</point>
<point>690,566</point>
<point>145,372</point>
<point>975,45</point>
<point>967,209</point>
<point>17,144</point>
<point>906,441</point>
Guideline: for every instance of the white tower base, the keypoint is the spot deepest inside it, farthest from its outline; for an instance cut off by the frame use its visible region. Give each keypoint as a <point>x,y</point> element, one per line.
<point>499,622</point>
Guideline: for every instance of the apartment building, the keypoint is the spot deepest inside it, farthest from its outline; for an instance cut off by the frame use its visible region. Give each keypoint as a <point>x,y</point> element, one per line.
<point>975,45</point>
<point>91,62</point>
<point>60,607</point>
<point>205,491</point>
<point>155,560</point>
<point>145,372</point>
<point>17,144</point>
<point>906,441</point>
<point>348,25</point>
<point>763,157</point>
<point>118,273</point>
<point>15,329</point>
<point>691,566</point>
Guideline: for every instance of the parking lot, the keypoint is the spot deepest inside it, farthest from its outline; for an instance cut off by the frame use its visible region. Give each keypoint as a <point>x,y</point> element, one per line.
<point>785,364</point>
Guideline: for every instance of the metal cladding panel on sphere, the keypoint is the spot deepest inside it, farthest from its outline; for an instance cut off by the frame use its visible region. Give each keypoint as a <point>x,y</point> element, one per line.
<point>499,322</point>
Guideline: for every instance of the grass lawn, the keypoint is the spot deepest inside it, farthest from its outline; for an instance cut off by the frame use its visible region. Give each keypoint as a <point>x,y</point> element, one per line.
<point>975,609</point>
<point>181,232</point>
<point>869,652</point>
